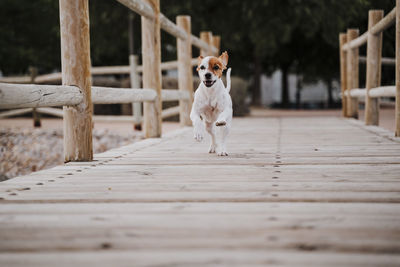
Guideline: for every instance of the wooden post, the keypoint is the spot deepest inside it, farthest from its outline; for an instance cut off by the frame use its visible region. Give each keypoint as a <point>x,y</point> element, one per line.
<point>135,83</point>
<point>151,48</point>
<point>75,63</point>
<point>397,116</point>
<point>343,71</point>
<point>374,54</point>
<point>185,71</point>
<point>35,115</point>
<point>352,74</point>
<point>206,37</point>
<point>217,43</point>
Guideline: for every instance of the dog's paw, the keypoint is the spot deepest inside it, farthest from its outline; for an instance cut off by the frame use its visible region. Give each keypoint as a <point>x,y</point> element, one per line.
<point>222,153</point>
<point>198,136</point>
<point>220,123</point>
<point>211,149</point>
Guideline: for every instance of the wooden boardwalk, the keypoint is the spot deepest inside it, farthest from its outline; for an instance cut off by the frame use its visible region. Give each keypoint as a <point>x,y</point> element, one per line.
<point>294,192</point>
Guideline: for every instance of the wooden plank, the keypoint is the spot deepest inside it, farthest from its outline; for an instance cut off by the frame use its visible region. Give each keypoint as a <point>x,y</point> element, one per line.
<point>198,258</point>
<point>292,192</point>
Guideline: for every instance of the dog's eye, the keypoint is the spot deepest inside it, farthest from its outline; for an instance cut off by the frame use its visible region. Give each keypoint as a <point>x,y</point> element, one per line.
<point>202,67</point>
<point>216,67</point>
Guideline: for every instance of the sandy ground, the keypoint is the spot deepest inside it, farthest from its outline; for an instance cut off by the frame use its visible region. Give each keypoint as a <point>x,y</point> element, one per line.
<point>121,128</point>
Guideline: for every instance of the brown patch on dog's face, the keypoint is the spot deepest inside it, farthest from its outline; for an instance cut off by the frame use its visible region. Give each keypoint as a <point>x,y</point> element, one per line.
<point>216,66</point>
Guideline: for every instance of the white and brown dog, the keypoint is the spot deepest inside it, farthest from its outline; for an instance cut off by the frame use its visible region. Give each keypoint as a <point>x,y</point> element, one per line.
<point>212,106</point>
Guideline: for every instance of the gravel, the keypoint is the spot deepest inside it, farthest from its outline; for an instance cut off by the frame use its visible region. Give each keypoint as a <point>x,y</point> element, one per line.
<point>23,151</point>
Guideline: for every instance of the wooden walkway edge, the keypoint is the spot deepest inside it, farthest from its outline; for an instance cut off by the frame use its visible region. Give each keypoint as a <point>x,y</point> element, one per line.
<point>315,191</point>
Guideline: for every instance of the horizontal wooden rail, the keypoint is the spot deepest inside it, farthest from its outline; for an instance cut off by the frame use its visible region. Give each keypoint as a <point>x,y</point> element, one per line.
<point>108,95</point>
<point>16,79</point>
<point>14,112</point>
<point>174,95</point>
<point>381,91</point>
<point>145,10</point>
<point>110,118</point>
<point>104,70</point>
<point>362,39</point>
<point>383,24</point>
<point>169,112</point>
<point>384,60</point>
<point>34,95</point>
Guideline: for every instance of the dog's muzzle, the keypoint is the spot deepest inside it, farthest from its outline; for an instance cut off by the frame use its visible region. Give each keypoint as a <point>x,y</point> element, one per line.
<point>209,83</point>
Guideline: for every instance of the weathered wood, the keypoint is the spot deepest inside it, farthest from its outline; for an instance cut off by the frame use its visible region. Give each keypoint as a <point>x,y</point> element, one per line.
<point>15,79</point>
<point>281,193</point>
<point>52,77</point>
<point>201,44</point>
<point>169,112</point>
<point>216,42</point>
<point>75,63</point>
<point>358,93</point>
<point>373,79</point>
<point>116,119</point>
<point>384,60</point>
<point>359,41</point>
<point>34,95</point>
<point>352,74</point>
<point>174,95</point>
<point>15,112</point>
<point>144,9</point>
<point>343,71</point>
<point>135,83</point>
<point>51,111</point>
<point>384,23</point>
<point>382,91</point>
<point>36,117</point>
<point>397,112</point>
<point>185,71</point>
<point>105,95</point>
<point>151,58</point>
<point>206,36</point>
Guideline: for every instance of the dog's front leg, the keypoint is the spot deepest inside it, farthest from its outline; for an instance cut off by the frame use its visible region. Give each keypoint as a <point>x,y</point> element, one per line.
<point>198,125</point>
<point>224,117</point>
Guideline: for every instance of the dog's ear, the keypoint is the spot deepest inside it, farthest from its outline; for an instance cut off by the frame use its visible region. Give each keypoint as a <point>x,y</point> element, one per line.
<point>199,59</point>
<point>224,58</point>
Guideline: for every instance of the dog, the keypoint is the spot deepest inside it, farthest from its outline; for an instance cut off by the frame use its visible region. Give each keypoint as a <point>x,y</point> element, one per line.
<point>212,106</point>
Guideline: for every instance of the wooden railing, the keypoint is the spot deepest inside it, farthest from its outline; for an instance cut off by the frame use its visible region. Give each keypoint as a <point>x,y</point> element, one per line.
<point>76,94</point>
<point>349,67</point>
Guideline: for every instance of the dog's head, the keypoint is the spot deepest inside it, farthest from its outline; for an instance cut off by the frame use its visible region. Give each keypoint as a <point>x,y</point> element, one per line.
<point>210,68</point>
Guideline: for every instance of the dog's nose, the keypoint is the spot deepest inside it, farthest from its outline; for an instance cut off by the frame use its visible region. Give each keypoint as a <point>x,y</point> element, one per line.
<point>208,75</point>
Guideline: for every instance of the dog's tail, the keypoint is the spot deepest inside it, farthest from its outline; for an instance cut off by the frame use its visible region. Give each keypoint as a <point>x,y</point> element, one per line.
<point>228,80</point>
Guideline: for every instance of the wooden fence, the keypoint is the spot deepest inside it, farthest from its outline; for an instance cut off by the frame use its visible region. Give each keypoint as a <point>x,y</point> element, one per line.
<point>76,94</point>
<point>349,67</point>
